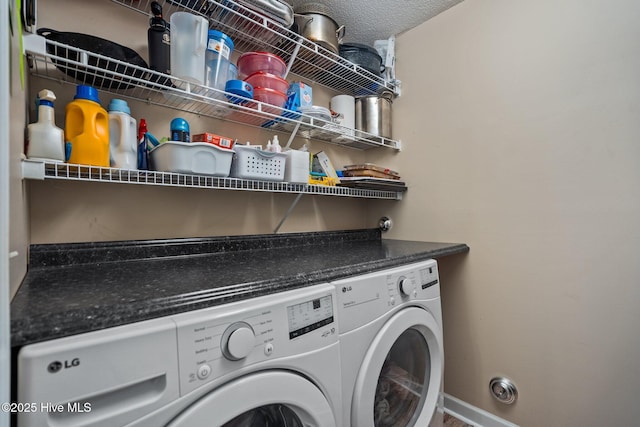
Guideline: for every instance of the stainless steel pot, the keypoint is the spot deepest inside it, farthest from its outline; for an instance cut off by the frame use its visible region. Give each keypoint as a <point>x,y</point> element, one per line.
<point>373,114</point>
<point>314,23</point>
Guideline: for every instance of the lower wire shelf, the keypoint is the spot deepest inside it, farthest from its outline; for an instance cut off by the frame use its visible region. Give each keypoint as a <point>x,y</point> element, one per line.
<point>43,170</point>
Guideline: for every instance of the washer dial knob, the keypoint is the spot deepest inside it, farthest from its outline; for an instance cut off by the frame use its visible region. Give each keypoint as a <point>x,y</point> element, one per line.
<point>405,286</point>
<point>238,341</point>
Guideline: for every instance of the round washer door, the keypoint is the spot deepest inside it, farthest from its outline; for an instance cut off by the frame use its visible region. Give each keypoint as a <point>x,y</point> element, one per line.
<point>266,398</point>
<point>399,380</point>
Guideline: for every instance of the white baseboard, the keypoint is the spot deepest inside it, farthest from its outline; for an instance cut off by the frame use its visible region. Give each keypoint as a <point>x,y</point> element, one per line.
<point>471,415</point>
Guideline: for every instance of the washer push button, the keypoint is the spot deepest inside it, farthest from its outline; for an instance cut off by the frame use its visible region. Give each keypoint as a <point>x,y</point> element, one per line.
<point>204,371</point>
<point>268,349</point>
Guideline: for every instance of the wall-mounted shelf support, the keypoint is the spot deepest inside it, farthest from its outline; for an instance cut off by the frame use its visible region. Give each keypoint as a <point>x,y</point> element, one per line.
<point>286,215</point>
<point>294,54</point>
<point>32,169</point>
<point>292,136</point>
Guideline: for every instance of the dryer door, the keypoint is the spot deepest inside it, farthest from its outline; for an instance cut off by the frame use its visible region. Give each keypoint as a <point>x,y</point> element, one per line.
<point>270,398</point>
<point>399,380</point>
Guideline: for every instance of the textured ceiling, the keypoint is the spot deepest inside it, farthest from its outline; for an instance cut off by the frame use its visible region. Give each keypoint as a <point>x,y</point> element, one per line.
<point>368,20</point>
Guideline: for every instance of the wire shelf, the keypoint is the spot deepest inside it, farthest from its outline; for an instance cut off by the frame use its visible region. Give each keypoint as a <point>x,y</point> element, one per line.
<point>66,64</point>
<point>36,169</point>
<point>252,31</point>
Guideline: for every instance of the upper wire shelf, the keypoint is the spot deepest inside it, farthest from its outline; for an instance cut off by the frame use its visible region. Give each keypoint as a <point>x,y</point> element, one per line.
<point>42,170</point>
<point>66,64</point>
<point>251,31</point>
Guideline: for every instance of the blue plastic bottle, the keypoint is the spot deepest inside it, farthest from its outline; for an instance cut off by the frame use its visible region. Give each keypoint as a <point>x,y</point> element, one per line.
<point>180,130</point>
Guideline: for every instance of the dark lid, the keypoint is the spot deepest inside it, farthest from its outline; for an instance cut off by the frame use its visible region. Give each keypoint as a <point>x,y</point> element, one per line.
<point>357,47</point>
<point>156,20</point>
<point>156,9</point>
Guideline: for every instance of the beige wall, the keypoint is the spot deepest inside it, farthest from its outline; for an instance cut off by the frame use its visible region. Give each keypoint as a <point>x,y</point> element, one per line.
<point>520,123</point>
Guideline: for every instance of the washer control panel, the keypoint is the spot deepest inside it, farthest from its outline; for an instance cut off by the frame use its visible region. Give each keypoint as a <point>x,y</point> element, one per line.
<point>371,295</point>
<point>216,341</point>
<point>310,315</point>
<point>413,283</point>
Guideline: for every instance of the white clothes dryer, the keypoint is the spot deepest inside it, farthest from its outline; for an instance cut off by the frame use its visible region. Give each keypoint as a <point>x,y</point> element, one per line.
<point>271,360</point>
<point>391,347</point>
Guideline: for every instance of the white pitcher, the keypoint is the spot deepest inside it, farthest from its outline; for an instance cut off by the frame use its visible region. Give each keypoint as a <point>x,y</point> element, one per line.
<point>188,46</point>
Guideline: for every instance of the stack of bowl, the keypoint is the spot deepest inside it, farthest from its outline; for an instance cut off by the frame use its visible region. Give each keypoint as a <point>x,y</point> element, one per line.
<point>265,72</point>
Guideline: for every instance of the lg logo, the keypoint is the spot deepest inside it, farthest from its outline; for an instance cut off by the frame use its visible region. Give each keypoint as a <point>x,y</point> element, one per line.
<point>346,289</point>
<point>56,365</point>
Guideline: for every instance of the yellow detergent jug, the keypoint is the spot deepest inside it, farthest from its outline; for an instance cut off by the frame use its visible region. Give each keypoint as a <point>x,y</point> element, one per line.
<point>87,128</point>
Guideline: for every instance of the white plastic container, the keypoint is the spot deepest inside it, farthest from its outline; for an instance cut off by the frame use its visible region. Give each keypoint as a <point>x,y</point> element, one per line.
<point>46,140</point>
<point>188,45</point>
<point>345,105</point>
<point>252,163</point>
<point>297,167</point>
<point>198,158</point>
<point>123,138</point>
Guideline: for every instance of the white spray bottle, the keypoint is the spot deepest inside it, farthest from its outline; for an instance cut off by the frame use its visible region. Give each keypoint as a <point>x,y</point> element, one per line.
<point>45,139</point>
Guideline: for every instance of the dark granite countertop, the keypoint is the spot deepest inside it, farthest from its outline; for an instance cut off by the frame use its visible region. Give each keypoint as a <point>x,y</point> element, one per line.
<point>76,288</point>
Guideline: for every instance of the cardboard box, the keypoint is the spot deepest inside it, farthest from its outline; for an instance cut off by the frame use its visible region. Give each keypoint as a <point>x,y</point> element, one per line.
<point>327,166</point>
<point>211,138</point>
<point>303,95</point>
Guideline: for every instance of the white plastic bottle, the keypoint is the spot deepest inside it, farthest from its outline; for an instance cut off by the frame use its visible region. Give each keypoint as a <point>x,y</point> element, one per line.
<point>123,139</point>
<point>276,147</point>
<point>45,139</point>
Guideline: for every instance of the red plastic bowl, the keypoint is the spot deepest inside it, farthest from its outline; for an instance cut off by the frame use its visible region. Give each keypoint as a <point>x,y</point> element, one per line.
<point>252,62</point>
<point>269,81</point>
<point>272,97</point>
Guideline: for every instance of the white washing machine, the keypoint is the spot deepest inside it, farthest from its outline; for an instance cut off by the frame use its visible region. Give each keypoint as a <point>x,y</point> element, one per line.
<point>391,347</point>
<point>267,361</point>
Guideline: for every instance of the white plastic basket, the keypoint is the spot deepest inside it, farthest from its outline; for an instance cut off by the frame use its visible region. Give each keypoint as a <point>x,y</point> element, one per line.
<point>198,158</point>
<point>253,163</point>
